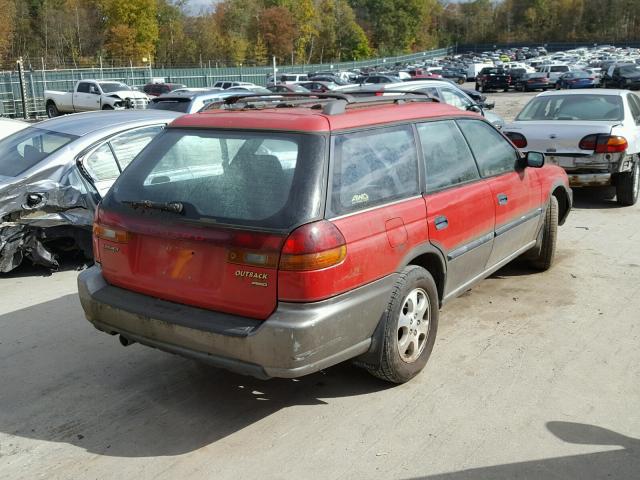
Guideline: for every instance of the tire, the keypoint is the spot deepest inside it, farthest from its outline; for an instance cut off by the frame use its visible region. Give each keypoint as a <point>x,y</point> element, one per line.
<point>52,110</point>
<point>477,87</point>
<point>461,81</point>
<point>401,360</point>
<point>483,89</point>
<point>627,186</point>
<point>543,254</point>
<point>107,107</point>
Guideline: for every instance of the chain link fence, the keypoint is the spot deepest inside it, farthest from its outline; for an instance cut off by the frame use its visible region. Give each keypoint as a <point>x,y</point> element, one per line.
<point>39,80</point>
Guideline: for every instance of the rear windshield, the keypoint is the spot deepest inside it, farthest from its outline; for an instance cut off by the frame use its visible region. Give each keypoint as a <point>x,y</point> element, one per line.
<point>260,179</point>
<point>25,149</point>
<point>574,107</point>
<point>174,105</point>
<point>559,68</point>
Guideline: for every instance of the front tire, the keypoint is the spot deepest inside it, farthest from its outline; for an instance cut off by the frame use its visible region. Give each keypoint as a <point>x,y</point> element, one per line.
<point>409,328</point>
<point>627,186</point>
<point>107,107</point>
<point>544,252</point>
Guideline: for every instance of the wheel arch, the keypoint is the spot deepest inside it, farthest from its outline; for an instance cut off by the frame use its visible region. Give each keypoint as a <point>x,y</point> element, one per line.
<point>564,202</point>
<point>432,259</point>
<point>427,256</point>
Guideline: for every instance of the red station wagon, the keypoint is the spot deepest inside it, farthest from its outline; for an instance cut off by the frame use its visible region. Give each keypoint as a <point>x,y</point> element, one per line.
<point>278,239</point>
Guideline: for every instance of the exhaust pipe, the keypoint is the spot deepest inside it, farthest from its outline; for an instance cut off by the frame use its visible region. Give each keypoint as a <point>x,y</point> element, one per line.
<point>125,342</point>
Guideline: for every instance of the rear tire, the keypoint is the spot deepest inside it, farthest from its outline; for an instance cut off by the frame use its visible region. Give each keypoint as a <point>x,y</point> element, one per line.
<point>627,186</point>
<point>52,110</point>
<point>543,254</point>
<point>409,328</point>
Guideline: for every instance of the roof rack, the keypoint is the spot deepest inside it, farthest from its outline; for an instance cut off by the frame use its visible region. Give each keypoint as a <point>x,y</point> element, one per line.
<point>331,103</point>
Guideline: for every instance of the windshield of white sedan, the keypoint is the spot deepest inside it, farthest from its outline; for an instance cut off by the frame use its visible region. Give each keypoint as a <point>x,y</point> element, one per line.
<point>246,178</point>
<point>25,149</point>
<point>111,87</point>
<point>574,107</point>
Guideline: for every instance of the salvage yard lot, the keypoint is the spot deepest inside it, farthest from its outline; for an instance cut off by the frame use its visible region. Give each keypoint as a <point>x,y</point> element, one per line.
<point>527,371</point>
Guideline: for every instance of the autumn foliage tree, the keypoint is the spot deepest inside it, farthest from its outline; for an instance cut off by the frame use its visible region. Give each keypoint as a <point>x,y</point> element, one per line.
<point>232,32</point>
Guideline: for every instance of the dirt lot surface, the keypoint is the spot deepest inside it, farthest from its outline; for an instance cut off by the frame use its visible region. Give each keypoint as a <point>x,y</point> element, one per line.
<point>533,376</point>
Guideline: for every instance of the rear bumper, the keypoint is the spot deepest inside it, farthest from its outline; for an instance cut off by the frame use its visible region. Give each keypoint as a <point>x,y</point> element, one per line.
<point>589,179</point>
<point>296,340</point>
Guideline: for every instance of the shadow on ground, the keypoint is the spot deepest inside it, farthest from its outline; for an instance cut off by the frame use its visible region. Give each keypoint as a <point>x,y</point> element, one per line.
<point>623,463</point>
<point>592,198</point>
<point>63,381</point>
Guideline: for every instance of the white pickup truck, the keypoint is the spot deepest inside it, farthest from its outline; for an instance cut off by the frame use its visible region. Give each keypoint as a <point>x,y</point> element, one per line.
<point>89,95</point>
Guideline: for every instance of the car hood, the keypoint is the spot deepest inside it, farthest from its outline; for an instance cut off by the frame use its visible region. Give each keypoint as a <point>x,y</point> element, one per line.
<point>558,136</point>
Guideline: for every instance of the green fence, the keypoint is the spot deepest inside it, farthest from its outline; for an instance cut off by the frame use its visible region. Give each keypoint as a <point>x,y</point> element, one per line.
<point>37,81</point>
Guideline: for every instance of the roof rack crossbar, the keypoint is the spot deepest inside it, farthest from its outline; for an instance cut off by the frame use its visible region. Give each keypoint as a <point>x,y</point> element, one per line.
<point>332,103</point>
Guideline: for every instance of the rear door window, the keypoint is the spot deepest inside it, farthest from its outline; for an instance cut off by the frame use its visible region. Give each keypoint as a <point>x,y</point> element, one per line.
<point>372,168</point>
<point>83,87</point>
<point>455,98</point>
<point>448,159</point>
<point>101,164</point>
<point>493,153</point>
<point>129,144</point>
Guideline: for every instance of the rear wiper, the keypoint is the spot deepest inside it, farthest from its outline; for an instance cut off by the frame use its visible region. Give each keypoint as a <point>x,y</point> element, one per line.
<point>173,207</point>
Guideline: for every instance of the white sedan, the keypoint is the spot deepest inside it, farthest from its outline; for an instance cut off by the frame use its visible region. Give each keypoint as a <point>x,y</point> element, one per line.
<point>593,134</point>
<point>9,126</point>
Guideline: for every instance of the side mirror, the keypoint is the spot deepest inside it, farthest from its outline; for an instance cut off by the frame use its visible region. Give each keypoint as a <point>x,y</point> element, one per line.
<point>474,108</point>
<point>534,159</point>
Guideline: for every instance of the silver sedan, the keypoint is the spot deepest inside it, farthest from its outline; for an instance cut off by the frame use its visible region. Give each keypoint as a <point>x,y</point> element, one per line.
<point>54,173</point>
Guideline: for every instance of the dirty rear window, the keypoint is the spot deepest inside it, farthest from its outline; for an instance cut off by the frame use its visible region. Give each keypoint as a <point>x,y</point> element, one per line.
<point>270,180</point>
<point>25,149</point>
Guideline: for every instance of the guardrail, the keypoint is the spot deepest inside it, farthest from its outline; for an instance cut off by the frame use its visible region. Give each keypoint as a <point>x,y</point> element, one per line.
<point>37,81</point>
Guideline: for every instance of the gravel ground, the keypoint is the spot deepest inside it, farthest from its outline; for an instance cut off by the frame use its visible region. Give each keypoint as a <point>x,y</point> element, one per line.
<point>533,376</point>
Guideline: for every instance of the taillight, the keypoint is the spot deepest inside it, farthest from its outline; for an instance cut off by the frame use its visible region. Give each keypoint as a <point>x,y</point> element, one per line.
<point>105,230</point>
<point>517,139</point>
<point>603,143</point>
<point>312,247</point>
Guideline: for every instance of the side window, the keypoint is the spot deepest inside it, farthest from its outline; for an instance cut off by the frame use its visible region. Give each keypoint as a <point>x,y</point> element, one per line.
<point>373,167</point>
<point>127,145</point>
<point>83,87</point>
<point>454,98</point>
<point>448,160</point>
<point>93,88</point>
<point>634,105</point>
<point>493,153</point>
<point>101,164</point>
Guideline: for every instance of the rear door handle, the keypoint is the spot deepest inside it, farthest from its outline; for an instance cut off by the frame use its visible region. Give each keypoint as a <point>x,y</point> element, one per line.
<point>441,222</point>
<point>502,199</point>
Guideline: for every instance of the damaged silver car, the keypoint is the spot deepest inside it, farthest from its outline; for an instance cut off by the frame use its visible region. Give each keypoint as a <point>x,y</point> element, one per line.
<point>54,173</point>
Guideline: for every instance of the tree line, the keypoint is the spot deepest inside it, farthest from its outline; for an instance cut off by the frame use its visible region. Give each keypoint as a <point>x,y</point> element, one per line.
<point>232,32</point>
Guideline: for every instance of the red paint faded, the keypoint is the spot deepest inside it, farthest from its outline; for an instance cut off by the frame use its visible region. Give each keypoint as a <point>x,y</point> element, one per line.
<point>308,120</point>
